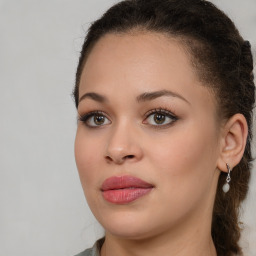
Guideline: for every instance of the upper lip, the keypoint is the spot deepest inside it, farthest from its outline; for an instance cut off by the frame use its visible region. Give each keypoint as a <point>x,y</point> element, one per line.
<point>126,181</point>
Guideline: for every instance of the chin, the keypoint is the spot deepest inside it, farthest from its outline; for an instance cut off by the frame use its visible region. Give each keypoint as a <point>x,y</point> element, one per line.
<point>133,225</point>
<point>129,231</point>
<point>124,223</point>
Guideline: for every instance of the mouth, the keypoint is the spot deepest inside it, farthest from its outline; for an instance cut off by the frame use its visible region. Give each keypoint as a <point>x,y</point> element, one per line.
<point>124,189</point>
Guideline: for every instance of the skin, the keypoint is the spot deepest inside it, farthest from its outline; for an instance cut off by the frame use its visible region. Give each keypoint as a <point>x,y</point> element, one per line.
<point>182,158</point>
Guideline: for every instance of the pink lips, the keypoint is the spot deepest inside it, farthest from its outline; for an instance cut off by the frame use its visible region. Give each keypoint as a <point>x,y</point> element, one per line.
<point>124,189</point>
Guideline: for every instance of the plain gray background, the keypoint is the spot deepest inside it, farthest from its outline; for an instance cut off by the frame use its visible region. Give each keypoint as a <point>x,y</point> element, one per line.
<point>42,208</point>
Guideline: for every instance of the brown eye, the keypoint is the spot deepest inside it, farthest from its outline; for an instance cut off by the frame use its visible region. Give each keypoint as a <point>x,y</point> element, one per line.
<point>99,119</point>
<point>95,119</point>
<point>159,118</point>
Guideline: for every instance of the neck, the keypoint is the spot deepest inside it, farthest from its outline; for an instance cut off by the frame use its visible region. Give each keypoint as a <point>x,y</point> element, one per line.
<point>194,243</point>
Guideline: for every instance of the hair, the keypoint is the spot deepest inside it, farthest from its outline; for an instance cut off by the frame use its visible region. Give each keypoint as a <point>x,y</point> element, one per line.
<point>223,61</point>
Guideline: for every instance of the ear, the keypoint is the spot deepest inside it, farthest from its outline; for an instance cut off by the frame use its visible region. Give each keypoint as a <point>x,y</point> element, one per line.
<point>232,142</point>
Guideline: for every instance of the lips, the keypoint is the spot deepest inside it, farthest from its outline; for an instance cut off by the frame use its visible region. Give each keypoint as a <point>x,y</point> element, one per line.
<point>124,189</point>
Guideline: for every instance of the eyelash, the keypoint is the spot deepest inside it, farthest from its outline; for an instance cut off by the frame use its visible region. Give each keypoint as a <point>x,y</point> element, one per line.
<point>162,111</point>
<point>84,118</point>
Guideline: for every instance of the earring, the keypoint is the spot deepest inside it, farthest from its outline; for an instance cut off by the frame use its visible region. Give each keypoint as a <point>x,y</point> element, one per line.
<point>226,186</point>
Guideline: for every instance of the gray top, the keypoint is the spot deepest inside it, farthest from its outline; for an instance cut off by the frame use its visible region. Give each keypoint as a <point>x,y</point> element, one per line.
<point>94,251</point>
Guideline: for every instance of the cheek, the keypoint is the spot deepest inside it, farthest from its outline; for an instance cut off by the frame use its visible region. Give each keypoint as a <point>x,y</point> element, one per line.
<point>86,158</point>
<point>186,160</point>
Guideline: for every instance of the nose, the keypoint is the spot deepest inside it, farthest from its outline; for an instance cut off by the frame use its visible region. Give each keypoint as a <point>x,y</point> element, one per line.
<point>123,145</point>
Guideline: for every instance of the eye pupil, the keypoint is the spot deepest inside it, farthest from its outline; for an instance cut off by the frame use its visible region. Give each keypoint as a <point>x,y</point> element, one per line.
<point>99,119</point>
<point>159,118</point>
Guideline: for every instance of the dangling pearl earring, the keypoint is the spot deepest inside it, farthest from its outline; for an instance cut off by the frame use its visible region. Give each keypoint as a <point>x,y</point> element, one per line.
<point>226,186</point>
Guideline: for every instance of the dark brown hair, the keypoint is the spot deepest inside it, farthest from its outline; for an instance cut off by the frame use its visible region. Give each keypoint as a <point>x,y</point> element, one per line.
<point>222,60</point>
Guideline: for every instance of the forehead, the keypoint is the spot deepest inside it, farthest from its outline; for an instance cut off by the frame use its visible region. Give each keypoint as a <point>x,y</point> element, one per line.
<point>139,62</point>
<point>137,46</point>
<point>140,52</point>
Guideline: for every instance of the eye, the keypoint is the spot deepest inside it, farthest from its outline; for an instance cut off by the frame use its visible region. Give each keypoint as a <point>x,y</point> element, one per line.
<point>160,117</point>
<point>94,119</point>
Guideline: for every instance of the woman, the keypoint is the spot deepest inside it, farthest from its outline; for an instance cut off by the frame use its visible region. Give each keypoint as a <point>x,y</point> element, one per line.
<point>164,92</point>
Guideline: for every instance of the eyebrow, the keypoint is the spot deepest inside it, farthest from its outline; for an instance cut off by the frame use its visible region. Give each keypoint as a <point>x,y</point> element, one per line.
<point>93,96</point>
<point>153,95</point>
<point>146,96</point>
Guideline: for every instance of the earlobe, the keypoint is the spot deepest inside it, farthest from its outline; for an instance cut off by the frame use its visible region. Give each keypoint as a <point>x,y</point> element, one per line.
<point>233,142</point>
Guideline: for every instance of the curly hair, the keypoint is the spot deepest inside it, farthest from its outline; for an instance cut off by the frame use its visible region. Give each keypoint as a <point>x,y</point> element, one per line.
<point>222,60</point>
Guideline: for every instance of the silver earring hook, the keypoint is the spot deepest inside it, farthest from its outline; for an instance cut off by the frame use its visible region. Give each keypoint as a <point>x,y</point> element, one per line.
<point>229,171</point>
<point>226,186</point>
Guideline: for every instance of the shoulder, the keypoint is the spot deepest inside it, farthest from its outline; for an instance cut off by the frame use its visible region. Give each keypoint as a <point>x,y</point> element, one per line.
<point>87,252</point>
<point>94,251</point>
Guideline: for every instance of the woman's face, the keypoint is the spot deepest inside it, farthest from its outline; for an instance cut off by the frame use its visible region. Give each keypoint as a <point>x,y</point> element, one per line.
<point>147,141</point>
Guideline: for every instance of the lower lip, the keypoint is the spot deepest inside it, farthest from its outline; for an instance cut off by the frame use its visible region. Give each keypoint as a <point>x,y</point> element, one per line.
<point>124,196</point>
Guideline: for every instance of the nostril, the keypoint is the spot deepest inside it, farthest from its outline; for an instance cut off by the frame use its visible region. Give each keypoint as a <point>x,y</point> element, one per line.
<point>118,159</point>
<point>108,158</point>
<point>130,156</point>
